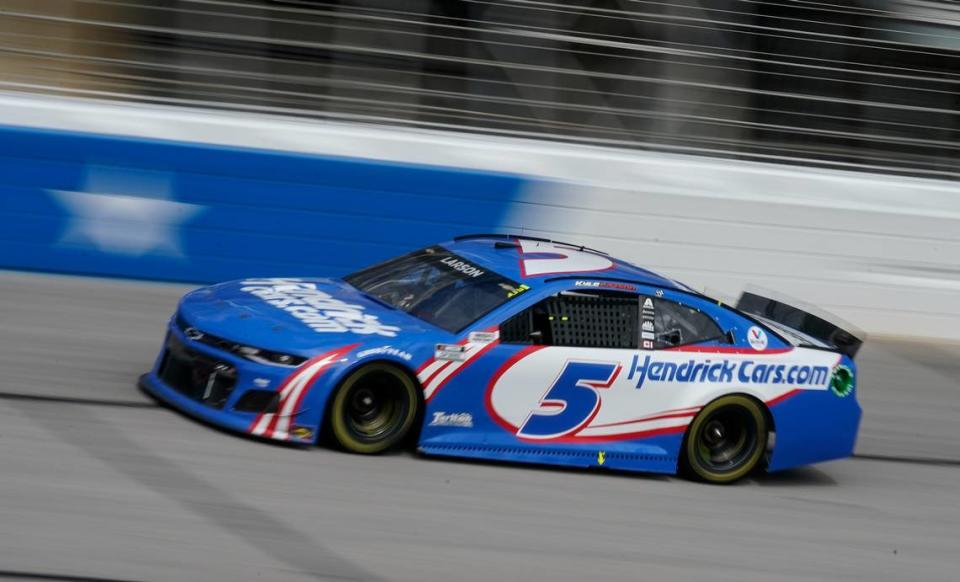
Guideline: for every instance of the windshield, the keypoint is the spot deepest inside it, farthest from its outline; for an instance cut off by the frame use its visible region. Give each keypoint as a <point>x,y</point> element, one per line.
<point>437,286</point>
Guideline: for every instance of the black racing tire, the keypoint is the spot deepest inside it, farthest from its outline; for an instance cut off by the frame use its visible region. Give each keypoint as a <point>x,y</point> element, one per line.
<point>373,409</point>
<point>727,440</point>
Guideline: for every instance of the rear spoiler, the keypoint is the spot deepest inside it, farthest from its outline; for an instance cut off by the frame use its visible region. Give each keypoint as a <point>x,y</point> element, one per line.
<point>821,327</point>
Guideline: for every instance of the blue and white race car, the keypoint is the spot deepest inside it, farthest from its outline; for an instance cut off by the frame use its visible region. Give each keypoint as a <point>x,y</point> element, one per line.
<point>514,348</point>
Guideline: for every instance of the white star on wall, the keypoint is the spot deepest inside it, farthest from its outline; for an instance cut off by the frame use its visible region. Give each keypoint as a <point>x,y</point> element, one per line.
<point>126,212</point>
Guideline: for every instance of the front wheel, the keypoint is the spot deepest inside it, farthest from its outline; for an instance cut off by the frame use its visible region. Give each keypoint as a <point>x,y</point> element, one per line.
<point>373,409</point>
<point>727,440</point>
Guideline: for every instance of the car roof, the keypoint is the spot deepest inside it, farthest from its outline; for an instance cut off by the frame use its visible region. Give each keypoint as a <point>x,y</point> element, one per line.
<point>502,253</point>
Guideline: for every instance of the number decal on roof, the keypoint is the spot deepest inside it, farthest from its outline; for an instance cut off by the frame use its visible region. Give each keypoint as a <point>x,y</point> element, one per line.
<point>539,258</point>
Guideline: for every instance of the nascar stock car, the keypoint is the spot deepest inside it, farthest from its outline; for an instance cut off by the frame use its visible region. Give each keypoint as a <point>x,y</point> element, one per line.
<point>519,349</point>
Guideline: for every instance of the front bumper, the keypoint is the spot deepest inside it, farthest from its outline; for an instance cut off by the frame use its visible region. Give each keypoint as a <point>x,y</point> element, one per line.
<point>221,381</point>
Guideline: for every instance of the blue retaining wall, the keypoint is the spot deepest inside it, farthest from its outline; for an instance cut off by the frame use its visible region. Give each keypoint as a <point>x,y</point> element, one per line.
<point>94,204</point>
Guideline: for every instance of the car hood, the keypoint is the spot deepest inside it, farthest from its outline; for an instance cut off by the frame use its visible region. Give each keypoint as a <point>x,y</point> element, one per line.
<point>297,315</point>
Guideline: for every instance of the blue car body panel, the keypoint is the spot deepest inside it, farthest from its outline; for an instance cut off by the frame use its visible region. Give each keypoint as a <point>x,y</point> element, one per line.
<point>635,407</point>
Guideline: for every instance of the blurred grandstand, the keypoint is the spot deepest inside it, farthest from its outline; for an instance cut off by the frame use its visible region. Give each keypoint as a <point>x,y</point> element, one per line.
<point>862,84</point>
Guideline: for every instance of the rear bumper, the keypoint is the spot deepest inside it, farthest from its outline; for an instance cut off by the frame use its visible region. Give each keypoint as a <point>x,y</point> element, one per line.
<point>815,426</point>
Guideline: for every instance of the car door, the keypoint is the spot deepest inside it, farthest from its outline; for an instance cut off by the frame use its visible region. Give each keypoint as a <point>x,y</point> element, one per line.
<point>570,369</point>
<point>566,353</point>
<point>579,360</point>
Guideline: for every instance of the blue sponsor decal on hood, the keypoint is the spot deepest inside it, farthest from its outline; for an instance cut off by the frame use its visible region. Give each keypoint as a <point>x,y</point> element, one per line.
<point>296,315</point>
<point>317,309</point>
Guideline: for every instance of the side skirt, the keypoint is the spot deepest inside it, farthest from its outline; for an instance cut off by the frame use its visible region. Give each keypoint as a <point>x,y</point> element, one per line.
<point>573,457</point>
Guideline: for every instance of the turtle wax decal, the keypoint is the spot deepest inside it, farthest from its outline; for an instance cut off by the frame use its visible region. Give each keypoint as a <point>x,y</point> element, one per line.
<point>842,383</point>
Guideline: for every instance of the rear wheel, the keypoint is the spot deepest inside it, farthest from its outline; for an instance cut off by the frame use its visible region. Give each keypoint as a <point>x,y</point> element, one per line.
<point>373,409</point>
<point>727,440</point>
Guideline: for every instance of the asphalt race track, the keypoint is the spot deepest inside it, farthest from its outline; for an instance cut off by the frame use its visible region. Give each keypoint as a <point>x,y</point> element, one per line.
<point>98,483</point>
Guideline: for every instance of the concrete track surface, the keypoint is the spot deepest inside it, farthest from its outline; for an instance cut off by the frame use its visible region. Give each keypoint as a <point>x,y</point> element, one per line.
<point>99,483</point>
